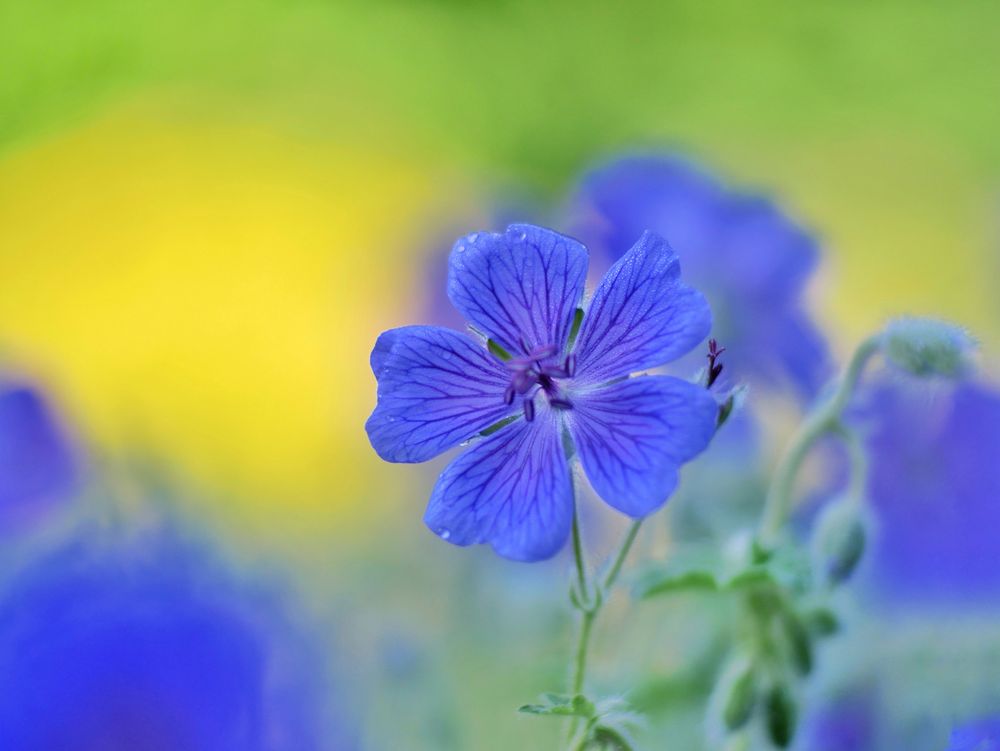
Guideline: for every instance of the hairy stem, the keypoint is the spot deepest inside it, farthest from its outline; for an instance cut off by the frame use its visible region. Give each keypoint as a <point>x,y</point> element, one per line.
<point>824,418</point>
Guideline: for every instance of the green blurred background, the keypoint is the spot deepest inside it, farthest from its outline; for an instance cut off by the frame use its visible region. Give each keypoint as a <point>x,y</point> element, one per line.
<point>209,210</point>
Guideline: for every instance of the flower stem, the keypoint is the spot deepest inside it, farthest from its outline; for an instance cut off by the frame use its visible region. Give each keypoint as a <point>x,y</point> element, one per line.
<point>582,645</point>
<point>581,573</point>
<point>591,603</point>
<point>616,567</point>
<point>824,418</point>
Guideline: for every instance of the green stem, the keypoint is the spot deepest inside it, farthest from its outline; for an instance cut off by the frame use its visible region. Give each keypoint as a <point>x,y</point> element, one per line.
<point>581,573</point>
<point>616,567</point>
<point>594,603</point>
<point>857,459</point>
<point>823,419</point>
<point>582,645</point>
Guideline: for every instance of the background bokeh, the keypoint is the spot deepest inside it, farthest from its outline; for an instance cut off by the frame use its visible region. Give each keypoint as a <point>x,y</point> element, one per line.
<point>209,211</point>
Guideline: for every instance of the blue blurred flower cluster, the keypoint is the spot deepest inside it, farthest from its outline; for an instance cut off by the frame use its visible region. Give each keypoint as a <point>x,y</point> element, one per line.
<point>748,257</point>
<point>134,636</point>
<point>148,644</point>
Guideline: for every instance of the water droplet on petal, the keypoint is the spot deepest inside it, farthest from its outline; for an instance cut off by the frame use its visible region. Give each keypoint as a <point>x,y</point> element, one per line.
<point>445,534</point>
<point>473,237</point>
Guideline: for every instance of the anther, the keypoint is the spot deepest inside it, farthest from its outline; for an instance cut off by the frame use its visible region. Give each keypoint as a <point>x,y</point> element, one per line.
<point>529,409</point>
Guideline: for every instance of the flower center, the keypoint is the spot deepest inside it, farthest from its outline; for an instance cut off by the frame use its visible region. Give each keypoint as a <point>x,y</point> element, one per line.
<point>539,372</point>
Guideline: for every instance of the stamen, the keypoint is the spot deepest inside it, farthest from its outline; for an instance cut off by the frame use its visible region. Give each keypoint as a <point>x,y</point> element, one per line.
<point>529,409</point>
<point>535,371</point>
<point>714,366</point>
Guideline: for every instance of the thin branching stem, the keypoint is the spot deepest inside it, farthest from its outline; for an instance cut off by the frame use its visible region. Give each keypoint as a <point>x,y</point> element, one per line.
<point>825,418</point>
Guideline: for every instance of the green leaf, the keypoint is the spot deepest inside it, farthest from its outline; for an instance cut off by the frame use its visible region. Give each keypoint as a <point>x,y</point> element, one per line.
<point>608,738</point>
<point>673,577</point>
<point>752,576</point>
<point>561,706</point>
<point>786,568</point>
<point>821,622</point>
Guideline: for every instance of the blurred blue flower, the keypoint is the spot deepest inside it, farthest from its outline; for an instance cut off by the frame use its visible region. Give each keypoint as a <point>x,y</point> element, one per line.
<point>149,646</point>
<point>538,380</point>
<point>934,485</point>
<point>847,723</point>
<point>37,463</point>
<point>748,257</point>
<point>981,735</point>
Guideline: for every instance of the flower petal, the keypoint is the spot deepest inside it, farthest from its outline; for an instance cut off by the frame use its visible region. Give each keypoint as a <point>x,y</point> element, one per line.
<point>641,316</point>
<point>521,287</point>
<point>436,388</point>
<point>632,437</point>
<point>512,490</point>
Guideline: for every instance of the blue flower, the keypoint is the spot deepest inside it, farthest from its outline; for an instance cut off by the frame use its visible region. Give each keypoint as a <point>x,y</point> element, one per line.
<point>845,723</point>
<point>934,485</point>
<point>37,463</point>
<point>981,735</point>
<point>438,388</point>
<point>149,646</point>
<point>750,259</point>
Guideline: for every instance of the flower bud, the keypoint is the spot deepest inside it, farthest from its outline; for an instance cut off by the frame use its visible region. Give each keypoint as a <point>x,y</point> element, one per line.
<point>839,539</point>
<point>782,716</point>
<point>736,694</point>
<point>926,347</point>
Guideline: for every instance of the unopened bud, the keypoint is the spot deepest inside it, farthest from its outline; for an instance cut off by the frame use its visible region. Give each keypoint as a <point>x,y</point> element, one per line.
<point>782,716</point>
<point>839,539</point>
<point>926,347</point>
<point>736,694</point>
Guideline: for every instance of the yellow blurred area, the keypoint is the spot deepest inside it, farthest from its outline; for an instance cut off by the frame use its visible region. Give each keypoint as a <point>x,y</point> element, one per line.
<point>209,292</point>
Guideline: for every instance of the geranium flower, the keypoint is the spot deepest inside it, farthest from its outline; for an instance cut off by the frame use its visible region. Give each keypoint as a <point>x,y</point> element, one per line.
<point>749,258</point>
<point>934,487</point>
<point>537,387</point>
